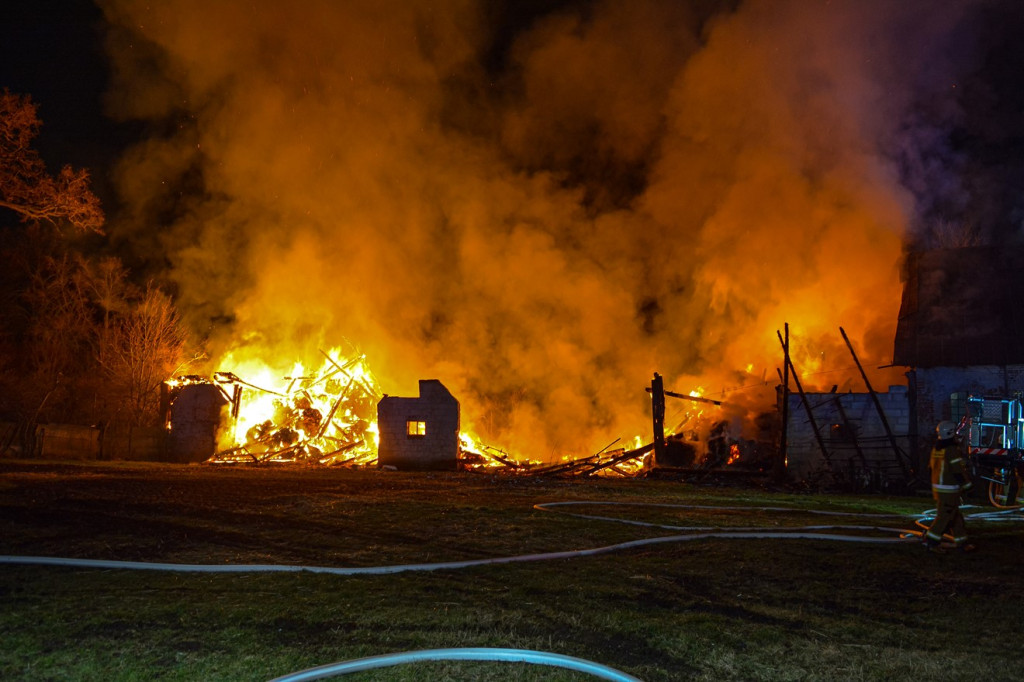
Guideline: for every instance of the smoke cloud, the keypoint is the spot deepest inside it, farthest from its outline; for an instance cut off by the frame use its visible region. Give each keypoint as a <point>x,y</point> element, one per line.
<point>542,210</point>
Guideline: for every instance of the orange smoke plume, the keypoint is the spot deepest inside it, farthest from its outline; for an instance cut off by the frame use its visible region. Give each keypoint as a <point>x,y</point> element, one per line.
<point>540,213</point>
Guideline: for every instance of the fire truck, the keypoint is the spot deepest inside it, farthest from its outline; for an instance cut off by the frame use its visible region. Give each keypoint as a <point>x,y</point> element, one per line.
<point>996,446</point>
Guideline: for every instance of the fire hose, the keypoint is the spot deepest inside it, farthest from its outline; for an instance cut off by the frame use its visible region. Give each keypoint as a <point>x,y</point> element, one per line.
<point>694,533</point>
<point>753,533</point>
<point>443,565</point>
<point>467,654</point>
<point>1001,514</point>
<point>921,521</point>
<point>814,532</point>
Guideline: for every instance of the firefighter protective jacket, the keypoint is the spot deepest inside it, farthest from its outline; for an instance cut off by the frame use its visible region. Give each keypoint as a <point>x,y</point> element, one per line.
<point>949,474</point>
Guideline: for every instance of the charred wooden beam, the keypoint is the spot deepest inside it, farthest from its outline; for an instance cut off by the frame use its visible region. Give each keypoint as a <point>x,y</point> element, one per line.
<point>657,391</point>
<point>502,460</point>
<point>897,451</point>
<point>694,398</point>
<point>369,389</point>
<point>851,431</point>
<point>234,454</point>
<point>563,467</point>
<point>806,403</point>
<point>334,408</point>
<point>337,370</point>
<point>230,378</point>
<point>780,463</point>
<point>621,459</point>
<point>270,454</point>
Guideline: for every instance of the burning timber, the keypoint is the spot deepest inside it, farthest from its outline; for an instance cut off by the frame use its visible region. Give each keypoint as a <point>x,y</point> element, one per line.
<point>338,416</point>
<point>326,418</point>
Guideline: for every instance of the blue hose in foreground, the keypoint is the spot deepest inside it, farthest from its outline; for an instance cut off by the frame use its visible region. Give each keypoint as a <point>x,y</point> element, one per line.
<point>470,654</point>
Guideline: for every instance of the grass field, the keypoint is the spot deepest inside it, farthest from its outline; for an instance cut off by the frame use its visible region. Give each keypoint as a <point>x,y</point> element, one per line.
<point>711,609</point>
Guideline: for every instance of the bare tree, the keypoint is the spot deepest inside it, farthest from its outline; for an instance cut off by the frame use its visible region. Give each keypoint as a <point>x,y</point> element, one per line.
<point>106,281</point>
<point>59,336</point>
<point>143,348</point>
<point>47,351</point>
<point>79,343</point>
<point>25,185</point>
<point>947,234</point>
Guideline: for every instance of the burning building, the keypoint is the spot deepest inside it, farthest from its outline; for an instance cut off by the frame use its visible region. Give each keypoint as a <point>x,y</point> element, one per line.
<point>194,415</point>
<point>858,440</point>
<point>959,335</point>
<point>419,433</point>
<point>668,214</point>
<point>961,331</point>
<point>324,417</point>
<point>467,201</point>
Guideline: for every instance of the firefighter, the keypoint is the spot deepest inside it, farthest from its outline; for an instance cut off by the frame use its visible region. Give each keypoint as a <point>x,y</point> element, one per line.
<point>950,480</point>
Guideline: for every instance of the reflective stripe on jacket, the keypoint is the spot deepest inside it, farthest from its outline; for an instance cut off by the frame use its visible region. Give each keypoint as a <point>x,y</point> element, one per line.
<point>947,465</point>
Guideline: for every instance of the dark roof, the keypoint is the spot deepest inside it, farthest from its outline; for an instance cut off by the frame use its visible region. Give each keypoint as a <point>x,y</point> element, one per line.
<point>962,307</point>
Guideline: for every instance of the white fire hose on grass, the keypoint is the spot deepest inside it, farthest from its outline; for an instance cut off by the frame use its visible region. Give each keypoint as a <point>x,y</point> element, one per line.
<point>539,657</point>
<point>693,533</point>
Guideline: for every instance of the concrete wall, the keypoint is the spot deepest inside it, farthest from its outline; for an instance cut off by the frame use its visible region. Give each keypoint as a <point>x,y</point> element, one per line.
<point>196,413</point>
<point>858,451</point>
<point>942,392</point>
<point>135,443</point>
<point>933,394</point>
<point>77,442</point>
<point>437,447</point>
<point>67,441</point>
<point>72,441</point>
<point>936,385</point>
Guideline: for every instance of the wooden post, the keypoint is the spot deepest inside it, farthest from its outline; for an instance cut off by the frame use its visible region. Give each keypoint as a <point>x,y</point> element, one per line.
<point>878,406</point>
<point>807,405</point>
<point>780,463</point>
<point>236,400</point>
<point>658,414</point>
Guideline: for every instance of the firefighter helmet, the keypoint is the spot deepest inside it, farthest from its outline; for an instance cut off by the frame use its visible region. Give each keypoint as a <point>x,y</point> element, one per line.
<point>945,430</point>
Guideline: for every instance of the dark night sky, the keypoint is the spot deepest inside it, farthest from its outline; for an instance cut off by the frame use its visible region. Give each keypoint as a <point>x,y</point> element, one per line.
<point>53,51</point>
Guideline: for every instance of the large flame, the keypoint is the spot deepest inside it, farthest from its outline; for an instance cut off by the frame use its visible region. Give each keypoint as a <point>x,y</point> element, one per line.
<point>327,416</point>
<point>539,212</point>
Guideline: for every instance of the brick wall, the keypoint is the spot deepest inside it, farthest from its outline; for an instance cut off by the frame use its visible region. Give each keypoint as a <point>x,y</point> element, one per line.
<point>858,450</point>
<point>935,386</point>
<point>196,415</point>
<point>935,395</point>
<point>437,447</point>
<point>135,443</point>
